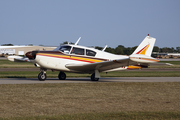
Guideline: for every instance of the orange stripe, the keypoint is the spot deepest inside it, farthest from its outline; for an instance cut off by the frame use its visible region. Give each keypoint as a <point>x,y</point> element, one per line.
<point>155,60</point>
<point>71,58</point>
<point>133,67</point>
<point>150,59</point>
<point>143,50</point>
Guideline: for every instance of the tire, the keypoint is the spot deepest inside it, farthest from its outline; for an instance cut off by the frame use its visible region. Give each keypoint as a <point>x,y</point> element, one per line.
<point>62,76</point>
<point>93,77</point>
<point>42,76</point>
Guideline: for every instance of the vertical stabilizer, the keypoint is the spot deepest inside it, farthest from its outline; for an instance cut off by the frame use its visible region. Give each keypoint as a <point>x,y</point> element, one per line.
<point>146,46</point>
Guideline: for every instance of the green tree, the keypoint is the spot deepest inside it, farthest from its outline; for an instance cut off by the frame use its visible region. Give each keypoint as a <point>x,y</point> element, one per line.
<point>119,50</point>
<point>66,42</point>
<point>156,49</point>
<point>166,50</point>
<point>128,51</point>
<point>110,50</point>
<point>178,49</point>
<point>99,48</point>
<point>7,45</point>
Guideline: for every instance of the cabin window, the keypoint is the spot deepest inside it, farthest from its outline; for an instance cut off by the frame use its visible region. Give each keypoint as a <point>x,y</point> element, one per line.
<point>78,51</point>
<point>90,53</point>
<point>65,49</point>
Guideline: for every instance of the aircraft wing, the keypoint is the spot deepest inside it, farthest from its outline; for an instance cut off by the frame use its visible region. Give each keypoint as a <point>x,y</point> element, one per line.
<point>101,66</point>
<point>108,65</point>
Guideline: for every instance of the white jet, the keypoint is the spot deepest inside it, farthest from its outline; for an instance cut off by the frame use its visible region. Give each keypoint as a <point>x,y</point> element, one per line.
<point>80,59</point>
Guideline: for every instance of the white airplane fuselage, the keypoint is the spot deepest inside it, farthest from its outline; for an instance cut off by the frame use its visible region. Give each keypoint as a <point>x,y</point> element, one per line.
<point>57,60</point>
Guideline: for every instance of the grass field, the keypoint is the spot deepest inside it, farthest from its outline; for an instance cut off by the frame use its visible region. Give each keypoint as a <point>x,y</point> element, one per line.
<point>90,101</point>
<point>9,64</point>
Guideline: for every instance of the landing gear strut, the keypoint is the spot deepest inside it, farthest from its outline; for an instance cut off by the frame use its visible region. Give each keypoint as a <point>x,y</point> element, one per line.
<point>62,76</point>
<point>93,77</point>
<point>42,75</point>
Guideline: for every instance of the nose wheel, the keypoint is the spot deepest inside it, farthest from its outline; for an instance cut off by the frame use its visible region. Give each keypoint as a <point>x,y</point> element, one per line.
<point>42,75</point>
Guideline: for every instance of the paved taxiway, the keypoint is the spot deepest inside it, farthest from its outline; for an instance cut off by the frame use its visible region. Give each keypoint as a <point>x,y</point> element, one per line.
<point>87,80</point>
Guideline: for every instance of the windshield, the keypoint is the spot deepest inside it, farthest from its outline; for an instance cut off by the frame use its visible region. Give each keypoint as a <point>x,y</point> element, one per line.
<point>65,49</point>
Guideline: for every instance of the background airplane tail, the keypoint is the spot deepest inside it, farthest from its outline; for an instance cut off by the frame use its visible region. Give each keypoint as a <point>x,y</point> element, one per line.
<point>146,47</point>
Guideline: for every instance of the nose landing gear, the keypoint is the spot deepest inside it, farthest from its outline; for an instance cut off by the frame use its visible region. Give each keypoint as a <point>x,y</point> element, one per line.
<point>42,75</point>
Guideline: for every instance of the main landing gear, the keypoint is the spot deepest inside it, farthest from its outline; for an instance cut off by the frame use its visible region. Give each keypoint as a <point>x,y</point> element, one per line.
<point>62,76</point>
<point>93,78</point>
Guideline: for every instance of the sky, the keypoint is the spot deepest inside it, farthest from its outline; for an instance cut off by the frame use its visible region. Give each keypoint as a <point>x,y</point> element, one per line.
<point>97,22</point>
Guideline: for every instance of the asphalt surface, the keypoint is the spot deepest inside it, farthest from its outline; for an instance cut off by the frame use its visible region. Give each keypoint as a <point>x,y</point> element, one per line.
<point>87,80</point>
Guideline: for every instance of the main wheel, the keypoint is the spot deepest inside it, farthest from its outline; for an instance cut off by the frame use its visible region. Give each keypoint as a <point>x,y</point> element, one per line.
<point>62,76</point>
<point>42,76</point>
<point>93,77</point>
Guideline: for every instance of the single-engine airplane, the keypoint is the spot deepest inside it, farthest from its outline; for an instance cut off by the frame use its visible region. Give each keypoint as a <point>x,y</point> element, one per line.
<point>80,59</point>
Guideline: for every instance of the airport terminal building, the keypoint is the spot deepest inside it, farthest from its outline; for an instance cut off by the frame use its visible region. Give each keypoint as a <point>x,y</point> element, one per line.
<point>21,50</point>
<point>166,55</point>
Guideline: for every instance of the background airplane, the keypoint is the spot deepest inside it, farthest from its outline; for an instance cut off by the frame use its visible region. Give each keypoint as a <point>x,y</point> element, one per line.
<point>81,59</point>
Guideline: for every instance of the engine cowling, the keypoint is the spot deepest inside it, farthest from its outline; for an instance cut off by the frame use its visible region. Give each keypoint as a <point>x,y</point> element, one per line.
<point>31,54</point>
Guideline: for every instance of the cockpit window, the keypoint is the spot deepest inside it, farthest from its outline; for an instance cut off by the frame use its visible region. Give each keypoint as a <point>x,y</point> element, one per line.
<point>90,53</point>
<point>78,51</point>
<point>65,49</point>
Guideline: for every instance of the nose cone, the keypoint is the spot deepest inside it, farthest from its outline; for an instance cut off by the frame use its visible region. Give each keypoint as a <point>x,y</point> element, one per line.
<point>29,55</point>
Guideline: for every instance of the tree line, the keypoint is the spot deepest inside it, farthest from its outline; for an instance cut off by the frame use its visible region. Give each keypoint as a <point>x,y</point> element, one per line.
<point>122,50</point>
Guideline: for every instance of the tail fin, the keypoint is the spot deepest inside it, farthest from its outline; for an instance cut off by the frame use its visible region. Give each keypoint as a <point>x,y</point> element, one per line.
<point>146,46</point>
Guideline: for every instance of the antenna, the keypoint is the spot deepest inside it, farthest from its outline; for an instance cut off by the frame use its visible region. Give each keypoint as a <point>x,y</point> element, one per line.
<point>104,48</point>
<point>77,41</point>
